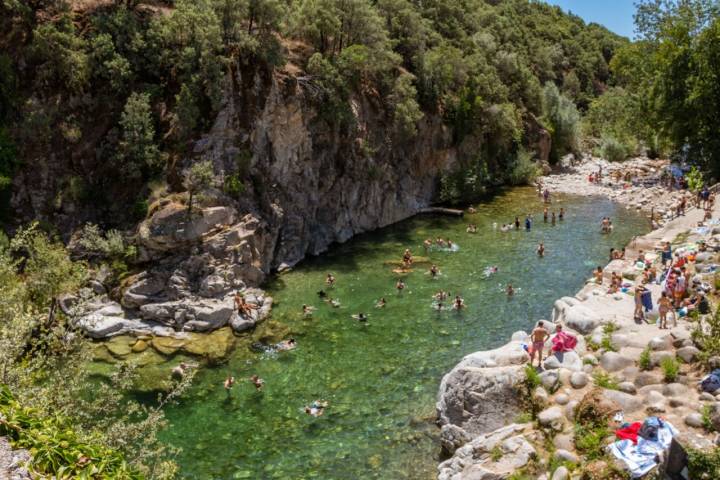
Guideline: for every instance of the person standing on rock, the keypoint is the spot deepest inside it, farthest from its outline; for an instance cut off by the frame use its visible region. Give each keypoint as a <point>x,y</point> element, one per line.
<point>538,336</point>
<point>664,306</point>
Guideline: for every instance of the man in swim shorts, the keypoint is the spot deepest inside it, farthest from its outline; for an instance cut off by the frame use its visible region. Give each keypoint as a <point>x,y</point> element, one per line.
<point>538,336</point>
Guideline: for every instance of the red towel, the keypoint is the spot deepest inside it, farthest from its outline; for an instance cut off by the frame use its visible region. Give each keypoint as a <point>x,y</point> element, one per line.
<point>629,432</point>
<point>563,342</point>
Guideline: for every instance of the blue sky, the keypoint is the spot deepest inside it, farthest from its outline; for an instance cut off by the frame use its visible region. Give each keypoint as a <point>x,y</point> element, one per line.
<point>616,15</point>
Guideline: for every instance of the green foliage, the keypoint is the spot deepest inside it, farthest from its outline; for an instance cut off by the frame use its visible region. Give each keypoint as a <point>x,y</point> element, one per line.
<point>137,149</point>
<point>706,411</point>
<point>563,119</point>
<point>60,56</point>
<point>109,245</point>
<point>704,463</point>
<point>233,185</point>
<point>670,368</point>
<point>58,410</point>
<point>524,170</point>
<point>532,378</point>
<point>695,179</point>
<point>605,380</point>
<point>406,111</point>
<point>56,448</point>
<point>673,68</point>
<point>198,177</point>
<point>496,453</point>
<point>589,439</point>
<point>613,149</point>
<point>644,361</point>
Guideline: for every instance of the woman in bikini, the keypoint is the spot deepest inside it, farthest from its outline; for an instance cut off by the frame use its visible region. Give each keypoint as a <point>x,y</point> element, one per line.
<point>664,306</point>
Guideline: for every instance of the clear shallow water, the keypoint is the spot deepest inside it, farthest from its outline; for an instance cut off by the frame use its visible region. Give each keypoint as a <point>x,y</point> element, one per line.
<point>381,379</point>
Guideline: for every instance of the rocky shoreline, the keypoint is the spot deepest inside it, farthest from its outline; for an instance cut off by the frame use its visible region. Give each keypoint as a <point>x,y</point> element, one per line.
<point>495,422</point>
<point>635,183</point>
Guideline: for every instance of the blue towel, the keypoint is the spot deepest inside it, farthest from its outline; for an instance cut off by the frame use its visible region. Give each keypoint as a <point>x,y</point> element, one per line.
<point>646,298</point>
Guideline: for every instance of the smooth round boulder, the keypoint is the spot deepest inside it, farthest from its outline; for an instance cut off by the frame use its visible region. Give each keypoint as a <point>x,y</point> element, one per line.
<point>578,380</point>
<point>613,361</point>
<point>675,390</point>
<point>566,456</point>
<point>661,343</point>
<point>549,379</point>
<point>561,473</point>
<point>627,387</point>
<point>688,354</point>
<point>562,399</point>
<point>694,420</point>
<point>551,418</point>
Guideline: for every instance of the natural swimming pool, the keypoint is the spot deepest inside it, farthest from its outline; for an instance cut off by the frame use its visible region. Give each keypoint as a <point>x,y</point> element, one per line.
<point>381,379</point>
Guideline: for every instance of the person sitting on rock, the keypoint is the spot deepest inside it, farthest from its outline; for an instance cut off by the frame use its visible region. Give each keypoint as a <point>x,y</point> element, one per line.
<point>563,341</point>
<point>244,308</point>
<point>598,275</point>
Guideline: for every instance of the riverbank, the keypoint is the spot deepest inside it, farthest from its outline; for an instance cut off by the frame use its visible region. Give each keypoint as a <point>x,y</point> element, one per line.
<point>498,417</point>
<point>634,183</point>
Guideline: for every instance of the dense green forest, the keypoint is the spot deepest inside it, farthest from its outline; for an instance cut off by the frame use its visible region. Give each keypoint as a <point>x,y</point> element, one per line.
<point>108,96</point>
<point>117,90</point>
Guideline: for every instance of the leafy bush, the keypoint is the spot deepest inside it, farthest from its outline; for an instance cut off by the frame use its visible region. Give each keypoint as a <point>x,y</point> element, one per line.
<point>605,380</point>
<point>56,448</point>
<point>670,368</point>
<point>563,118</point>
<point>704,464</point>
<point>524,170</point>
<point>110,244</point>
<point>589,439</point>
<point>644,361</point>
<point>613,149</point>
<point>233,185</point>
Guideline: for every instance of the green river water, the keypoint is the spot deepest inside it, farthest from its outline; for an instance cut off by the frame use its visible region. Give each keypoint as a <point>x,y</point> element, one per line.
<point>381,379</point>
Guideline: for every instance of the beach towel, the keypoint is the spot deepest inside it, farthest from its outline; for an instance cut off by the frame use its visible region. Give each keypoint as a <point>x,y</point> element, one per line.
<point>646,298</point>
<point>563,342</point>
<point>629,432</point>
<point>642,457</point>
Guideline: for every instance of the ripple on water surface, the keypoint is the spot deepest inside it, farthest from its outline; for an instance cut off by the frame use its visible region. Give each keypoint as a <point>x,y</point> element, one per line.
<point>381,379</point>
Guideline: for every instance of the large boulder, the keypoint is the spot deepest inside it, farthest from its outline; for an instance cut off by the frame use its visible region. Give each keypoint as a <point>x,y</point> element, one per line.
<point>569,360</point>
<point>480,394</point>
<point>575,315</point>
<point>170,227</point>
<point>493,456</point>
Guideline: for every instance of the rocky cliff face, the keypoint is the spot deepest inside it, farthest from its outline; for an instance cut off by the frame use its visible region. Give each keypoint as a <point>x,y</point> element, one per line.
<point>316,182</point>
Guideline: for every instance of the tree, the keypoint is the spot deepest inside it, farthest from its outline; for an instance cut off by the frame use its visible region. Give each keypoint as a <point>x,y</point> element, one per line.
<point>563,119</point>
<point>198,177</point>
<point>137,147</point>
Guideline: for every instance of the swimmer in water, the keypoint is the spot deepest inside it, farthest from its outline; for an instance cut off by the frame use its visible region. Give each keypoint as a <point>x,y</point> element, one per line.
<point>322,294</point>
<point>528,223</point>
<point>434,271</point>
<point>228,383</point>
<point>335,303</point>
<point>179,371</point>
<point>286,345</point>
<point>307,310</point>
<point>553,218</point>
<point>360,317</point>
<point>257,382</point>
<point>407,258</point>
<point>440,295</point>
<point>330,280</point>
<point>439,306</point>
<point>517,223</point>
<point>439,242</point>
<point>510,290</point>
<point>381,303</point>
<point>562,214</point>
<point>545,214</point>
<point>400,286</point>
<point>316,408</point>
<point>427,244</point>
<point>541,249</point>
<point>459,303</point>
<point>449,244</point>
